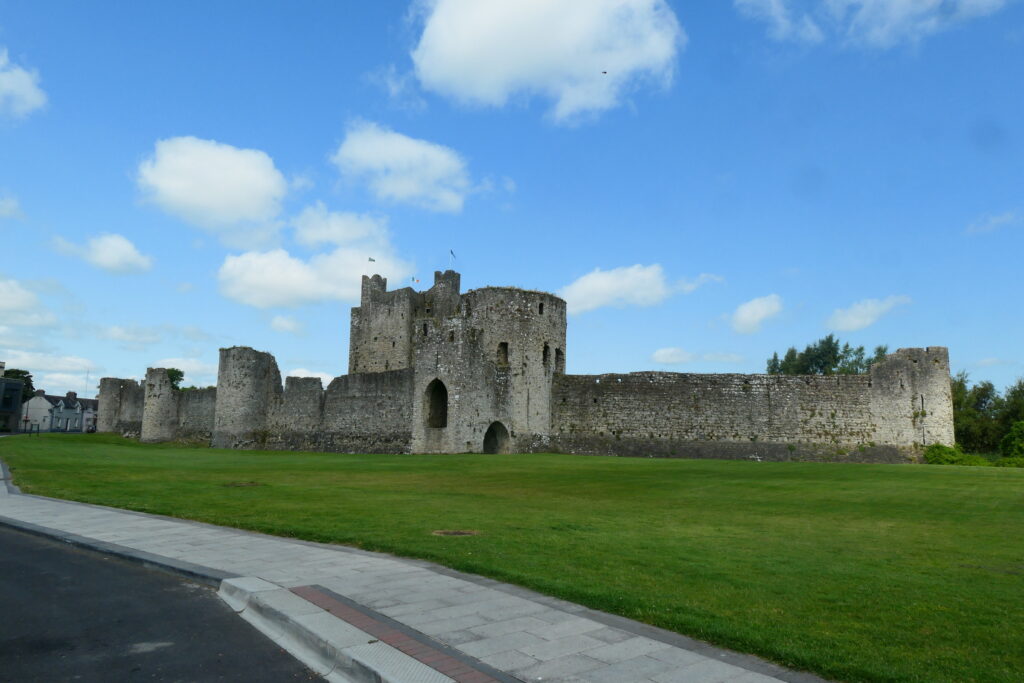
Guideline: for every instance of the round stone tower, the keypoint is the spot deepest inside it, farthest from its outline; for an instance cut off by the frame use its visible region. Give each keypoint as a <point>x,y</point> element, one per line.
<point>160,411</point>
<point>248,382</point>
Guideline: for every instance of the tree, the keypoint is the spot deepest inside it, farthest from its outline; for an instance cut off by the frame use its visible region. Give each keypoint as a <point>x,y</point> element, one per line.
<point>175,375</point>
<point>976,414</point>
<point>28,390</point>
<point>825,357</point>
<point>1012,445</point>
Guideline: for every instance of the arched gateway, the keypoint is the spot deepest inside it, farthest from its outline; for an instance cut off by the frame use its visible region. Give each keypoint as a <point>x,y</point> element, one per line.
<point>496,439</point>
<point>437,404</point>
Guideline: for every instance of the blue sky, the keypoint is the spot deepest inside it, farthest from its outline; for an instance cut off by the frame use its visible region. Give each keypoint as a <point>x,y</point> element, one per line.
<point>705,183</point>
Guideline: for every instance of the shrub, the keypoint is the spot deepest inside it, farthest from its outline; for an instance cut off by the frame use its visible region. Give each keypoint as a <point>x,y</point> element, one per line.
<point>1009,462</point>
<point>1012,445</point>
<point>973,460</point>
<point>937,454</point>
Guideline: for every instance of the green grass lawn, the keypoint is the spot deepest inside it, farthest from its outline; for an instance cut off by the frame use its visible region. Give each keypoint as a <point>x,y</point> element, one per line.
<point>855,572</point>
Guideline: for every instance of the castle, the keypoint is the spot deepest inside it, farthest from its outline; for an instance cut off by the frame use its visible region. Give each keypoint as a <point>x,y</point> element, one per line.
<point>442,371</point>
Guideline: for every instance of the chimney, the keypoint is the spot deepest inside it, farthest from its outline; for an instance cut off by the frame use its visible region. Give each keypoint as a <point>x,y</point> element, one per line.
<point>72,396</point>
<point>40,392</point>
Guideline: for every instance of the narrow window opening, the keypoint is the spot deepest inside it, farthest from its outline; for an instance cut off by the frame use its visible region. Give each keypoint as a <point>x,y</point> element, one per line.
<point>451,336</point>
<point>503,353</point>
<point>540,309</point>
<point>424,329</point>
<point>437,404</point>
<point>547,354</point>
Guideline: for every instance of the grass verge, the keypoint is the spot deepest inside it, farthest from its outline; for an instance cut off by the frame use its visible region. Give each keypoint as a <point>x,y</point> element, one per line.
<point>855,572</point>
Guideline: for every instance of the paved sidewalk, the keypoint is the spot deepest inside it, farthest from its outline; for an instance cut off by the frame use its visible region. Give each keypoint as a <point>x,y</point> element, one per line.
<point>353,615</point>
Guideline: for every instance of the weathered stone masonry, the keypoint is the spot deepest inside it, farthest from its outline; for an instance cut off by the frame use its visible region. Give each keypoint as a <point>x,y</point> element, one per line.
<point>441,372</point>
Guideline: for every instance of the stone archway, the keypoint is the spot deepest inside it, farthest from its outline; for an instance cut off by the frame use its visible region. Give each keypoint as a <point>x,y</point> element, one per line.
<point>436,400</point>
<point>496,439</point>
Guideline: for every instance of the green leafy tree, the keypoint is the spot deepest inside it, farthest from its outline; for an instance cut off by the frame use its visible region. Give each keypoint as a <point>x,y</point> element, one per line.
<point>1012,409</point>
<point>28,390</point>
<point>976,412</point>
<point>175,375</point>
<point>825,357</point>
<point>1012,445</point>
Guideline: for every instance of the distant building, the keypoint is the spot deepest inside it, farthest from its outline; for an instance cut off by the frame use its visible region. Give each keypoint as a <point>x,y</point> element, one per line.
<point>59,413</point>
<point>10,401</point>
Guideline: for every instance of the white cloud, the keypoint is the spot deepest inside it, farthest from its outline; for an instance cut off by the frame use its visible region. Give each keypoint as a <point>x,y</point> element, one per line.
<point>993,362</point>
<point>9,207</point>
<point>689,286</point>
<point>675,356</point>
<point>34,361</point>
<point>233,192</point>
<point>60,383</point>
<point>875,23</point>
<point>325,378</point>
<point>749,316</point>
<point>316,225</point>
<point>16,339</point>
<point>404,169</point>
<point>197,372</point>
<point>15,298</point>
<point>783,23</point>
<point>991,223</point>
<point>20,93</point>
<point>131,336</point>
<point>625,286</point>
<point>582,54</point>
<point>284,323</point>
<point>276,278</point>
<point>400,87</point>
<point>863,313</point>
<point>110,252</point>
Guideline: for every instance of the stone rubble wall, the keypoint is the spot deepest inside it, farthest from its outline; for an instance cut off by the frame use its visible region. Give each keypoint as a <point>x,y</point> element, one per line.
<point>870,417</point>
<point>121,403</point>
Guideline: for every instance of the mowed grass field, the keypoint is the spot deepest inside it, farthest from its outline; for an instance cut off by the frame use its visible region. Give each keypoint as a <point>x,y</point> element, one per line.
<point>855,572</point>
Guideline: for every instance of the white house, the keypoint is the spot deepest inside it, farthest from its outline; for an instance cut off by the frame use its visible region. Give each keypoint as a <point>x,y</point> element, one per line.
<point>59,413</point>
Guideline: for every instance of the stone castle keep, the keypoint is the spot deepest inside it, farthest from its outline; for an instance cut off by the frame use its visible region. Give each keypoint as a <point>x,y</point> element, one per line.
<point>445,372</point>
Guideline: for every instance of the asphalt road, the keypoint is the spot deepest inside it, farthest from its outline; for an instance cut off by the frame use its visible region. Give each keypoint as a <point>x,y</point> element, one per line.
<point>73,615</point>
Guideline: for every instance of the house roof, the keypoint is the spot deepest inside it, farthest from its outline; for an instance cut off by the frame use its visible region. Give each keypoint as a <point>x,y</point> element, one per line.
<point>87,403</point>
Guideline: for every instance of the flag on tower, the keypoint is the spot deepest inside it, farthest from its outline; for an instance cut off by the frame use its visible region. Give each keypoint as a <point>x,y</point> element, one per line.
<point>452,253</point>
<point>373,260</point>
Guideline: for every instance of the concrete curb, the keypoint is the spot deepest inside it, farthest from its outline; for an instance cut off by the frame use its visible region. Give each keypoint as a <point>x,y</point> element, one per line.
<point>334,649</point>
<point>5,474</point>
<point>193,572</point>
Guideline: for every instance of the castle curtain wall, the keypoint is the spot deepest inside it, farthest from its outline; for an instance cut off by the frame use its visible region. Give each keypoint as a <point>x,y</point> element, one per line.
<point>874,417</point>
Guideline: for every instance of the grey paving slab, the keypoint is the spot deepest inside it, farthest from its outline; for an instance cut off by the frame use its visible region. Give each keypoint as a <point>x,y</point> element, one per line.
<point>504,643</point>
<point>707,671</point>
<point>563,647</point>
<point>635,669</point>
<point>627,649</point>
<point>561,668</point>
<point>509,628</point>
